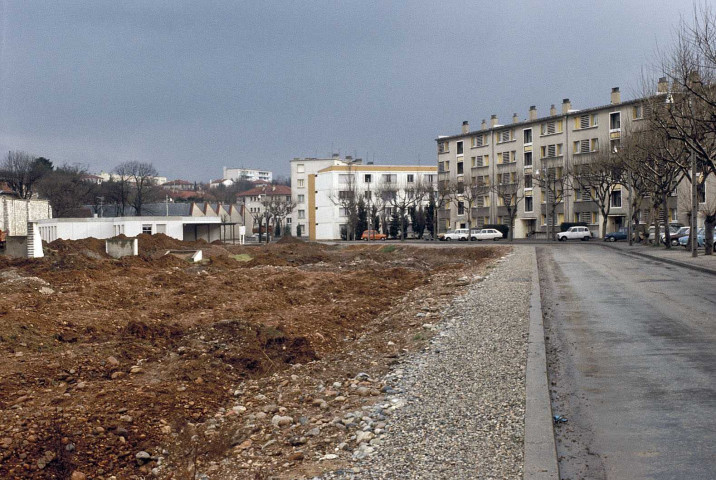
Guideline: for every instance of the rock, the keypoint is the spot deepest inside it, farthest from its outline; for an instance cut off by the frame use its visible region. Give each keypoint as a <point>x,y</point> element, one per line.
<point>270,408</point>
<point>46,291</point>
<point>314,432</point>
<point>362,437</point>
<point>6,442</point>
<point>280,421</point>
<point>112,361</point>
<point>238,409</point>
<point>77,475</point>
<point>295,441</point>
<point>117,375</point>
<point>166,429</point>
<point>363,391</point>
<point>296,456</point>
<point>330,456</point>
<point>142,457</point>
<point>136,369</point>
<point>126,418</point>
<point>244,445</point>
<point>362,376</point>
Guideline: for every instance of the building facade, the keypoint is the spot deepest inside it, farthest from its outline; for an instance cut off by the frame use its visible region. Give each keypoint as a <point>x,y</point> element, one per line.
<point>524,148</point>
<point>303,171</point>
<point>253,203</point>
<point>249,174</point>
<point>384,187</point>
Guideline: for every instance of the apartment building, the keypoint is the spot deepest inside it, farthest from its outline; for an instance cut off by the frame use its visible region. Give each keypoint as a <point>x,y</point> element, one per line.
<point>377,184</point>
<point>303,172</point>
<point>522,148</point>
<point>249,174</point>
<point>253,202</point>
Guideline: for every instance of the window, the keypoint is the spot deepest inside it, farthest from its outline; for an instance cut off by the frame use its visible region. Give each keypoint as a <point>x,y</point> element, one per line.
<point>301,214</point>
<point>616,199</point>
<point>460,169</point>
<point>288,220</point>
<point>505,157</point>
<point>528,181</point>
<point>345,212</point>
<point>411,177</point>
<point>300,183</point>
<point>461,208</point>
<point>301,198</point>
<point>551,128</point>
<point>368,178</point>
<point>459,148</point>
<point>430,179</point>
<point>585,121</point>
<point>443,147</point>
<point>529,204</point>
<point>300,168</point>
<point>479,141</point>
<point>586,146</point>
<point>528,136</point>
<point>504,136</point>
<point>528,159</point>
<point>637,112</point>
<point>614,145</point>
<point>481,161</point>
<point>393,178</point>
<point>615,121</point>
<point>147,229</point>
<point>554,150</point>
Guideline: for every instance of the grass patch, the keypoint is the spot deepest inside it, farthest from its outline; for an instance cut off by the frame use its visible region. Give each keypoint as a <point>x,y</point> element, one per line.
<point>242,257</point>
<point>388,249</point>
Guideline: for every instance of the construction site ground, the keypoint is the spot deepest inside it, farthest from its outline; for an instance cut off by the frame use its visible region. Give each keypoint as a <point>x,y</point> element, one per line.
<point>235,367</point>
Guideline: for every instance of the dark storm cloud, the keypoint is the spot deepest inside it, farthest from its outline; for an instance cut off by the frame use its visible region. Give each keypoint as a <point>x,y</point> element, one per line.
<point>197,85</point>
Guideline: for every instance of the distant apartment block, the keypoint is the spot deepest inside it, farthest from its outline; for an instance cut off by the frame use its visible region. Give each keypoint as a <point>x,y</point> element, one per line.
<point>247,174</point>
<point>522,148</point>
<point>318,184</point>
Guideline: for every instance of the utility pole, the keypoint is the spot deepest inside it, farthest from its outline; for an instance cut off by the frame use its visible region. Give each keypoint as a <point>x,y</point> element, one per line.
<point>630,214</point>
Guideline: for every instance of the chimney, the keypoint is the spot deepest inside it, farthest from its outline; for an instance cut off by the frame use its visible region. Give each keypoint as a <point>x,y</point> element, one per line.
<point>483,125</point>
<point>662,86</point>
<point>515,118</point>
<point>533,112</point>
<point>552,111</point>
<point>493,120</point>
<point>616,96</point>
<point>465,127</point>
<point>566,105</point>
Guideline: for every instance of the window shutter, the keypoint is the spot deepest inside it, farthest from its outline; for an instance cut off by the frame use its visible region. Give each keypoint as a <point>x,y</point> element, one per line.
<point>584,121</point>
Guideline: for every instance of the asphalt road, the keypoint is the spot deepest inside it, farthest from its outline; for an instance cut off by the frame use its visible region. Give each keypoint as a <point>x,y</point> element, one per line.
<point>632,363</point>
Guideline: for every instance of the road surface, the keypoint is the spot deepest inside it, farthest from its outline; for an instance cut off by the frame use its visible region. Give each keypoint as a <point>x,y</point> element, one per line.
<point>632,353</point>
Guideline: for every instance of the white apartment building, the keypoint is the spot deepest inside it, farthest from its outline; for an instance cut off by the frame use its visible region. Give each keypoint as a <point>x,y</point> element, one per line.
<point>249,174</point>
<point>522,148</point>
<point>325,214</point>
<point>301,170</point>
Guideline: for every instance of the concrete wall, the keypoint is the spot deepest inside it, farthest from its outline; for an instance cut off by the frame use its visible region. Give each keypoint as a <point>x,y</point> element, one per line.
<point>16,247</point>
<point>181,228</point>
<point>15,213</point>
<point>122,247</point>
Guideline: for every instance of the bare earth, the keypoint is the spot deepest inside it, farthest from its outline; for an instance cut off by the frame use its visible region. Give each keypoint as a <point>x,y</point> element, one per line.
<point>151,367</point>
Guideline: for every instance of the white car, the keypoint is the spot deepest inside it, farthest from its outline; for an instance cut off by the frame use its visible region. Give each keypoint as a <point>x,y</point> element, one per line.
<point>574,233</point>
<point>486,234</point>
<point>458,234</point>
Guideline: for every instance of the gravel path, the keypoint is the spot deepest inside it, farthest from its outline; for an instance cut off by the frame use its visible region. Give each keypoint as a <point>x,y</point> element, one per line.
<point>457,409</point>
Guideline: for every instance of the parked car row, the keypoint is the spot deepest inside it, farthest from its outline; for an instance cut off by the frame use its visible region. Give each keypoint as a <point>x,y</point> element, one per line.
<point>700,239</point>
<point>463,234</point>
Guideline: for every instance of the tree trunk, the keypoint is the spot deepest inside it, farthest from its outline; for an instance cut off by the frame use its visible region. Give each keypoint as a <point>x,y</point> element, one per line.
<point>709,223</point>
<point>665,216</point>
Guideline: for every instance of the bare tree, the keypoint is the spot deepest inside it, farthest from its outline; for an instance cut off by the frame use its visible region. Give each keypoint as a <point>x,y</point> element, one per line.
<point>466,196</point>
<point>509,190</point>
<point>402,199</point>
<point>554,185</point>
<point>122,190</point>
<point>599,174</point>
<point>280,207</point>
<point>67,189</point>
<point>439,196</point>
<point>21,171</point>
<point>346,198</point>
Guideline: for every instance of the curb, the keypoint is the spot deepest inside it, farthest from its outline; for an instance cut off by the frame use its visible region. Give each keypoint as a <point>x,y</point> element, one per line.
<point>661,259</point>
<point>540,448</point>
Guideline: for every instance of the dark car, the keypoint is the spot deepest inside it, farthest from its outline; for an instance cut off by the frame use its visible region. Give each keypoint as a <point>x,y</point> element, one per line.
<point>620,234</point>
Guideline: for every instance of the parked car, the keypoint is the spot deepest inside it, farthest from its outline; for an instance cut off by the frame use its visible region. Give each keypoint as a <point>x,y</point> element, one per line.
<point>675,236</point>
<point>673,228</point>
<point>574,233</point>
<point>620,234</point>
<point>700,239</point>
<point>460,234</point>
<point>485,234</point>
<point>373,235</point>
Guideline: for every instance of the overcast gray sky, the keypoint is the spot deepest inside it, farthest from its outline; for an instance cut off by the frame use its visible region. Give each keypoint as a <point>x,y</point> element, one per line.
<point>194,86</point>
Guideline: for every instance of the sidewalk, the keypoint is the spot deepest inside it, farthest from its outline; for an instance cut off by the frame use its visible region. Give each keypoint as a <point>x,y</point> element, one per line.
<point>675,255</point>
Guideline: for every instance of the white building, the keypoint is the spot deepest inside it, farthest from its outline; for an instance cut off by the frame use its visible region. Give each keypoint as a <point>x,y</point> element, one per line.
<point>181,228</point>
<point>247,174</point>
<point>326,216</point>
<point>302,169</point>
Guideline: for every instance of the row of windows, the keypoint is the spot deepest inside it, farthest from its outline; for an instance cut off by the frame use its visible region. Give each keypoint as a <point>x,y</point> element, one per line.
<point>547,128</point>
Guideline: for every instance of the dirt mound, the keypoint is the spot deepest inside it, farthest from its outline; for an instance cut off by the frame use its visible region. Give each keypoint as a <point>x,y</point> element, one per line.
<point>89,247</point>
<point>159,243</point>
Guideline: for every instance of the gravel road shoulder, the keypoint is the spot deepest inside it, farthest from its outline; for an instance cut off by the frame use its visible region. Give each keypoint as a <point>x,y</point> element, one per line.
<point>456,410</point>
